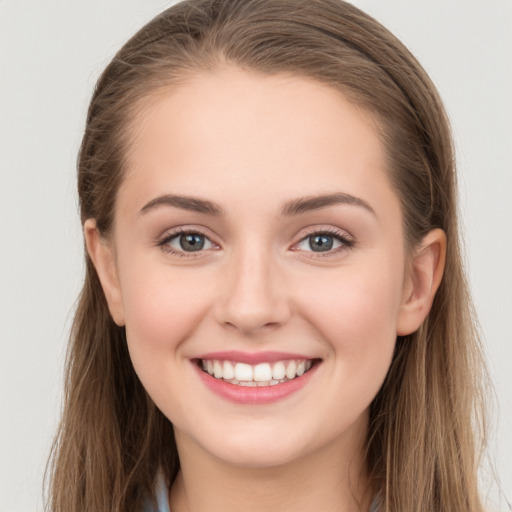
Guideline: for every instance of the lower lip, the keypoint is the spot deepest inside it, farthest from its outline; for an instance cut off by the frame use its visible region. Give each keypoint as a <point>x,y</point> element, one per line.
<point>255,394</point>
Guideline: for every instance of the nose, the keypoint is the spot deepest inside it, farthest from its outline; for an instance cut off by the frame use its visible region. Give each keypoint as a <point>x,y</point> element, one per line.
<point>253,297</point>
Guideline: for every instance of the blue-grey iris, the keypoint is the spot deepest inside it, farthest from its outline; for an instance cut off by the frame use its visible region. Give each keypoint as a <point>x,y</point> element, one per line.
<point>192,242</point>
<point>321,243</point>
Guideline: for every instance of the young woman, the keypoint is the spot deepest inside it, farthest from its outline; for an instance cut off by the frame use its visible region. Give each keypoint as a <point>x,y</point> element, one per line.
<point>274,315</point>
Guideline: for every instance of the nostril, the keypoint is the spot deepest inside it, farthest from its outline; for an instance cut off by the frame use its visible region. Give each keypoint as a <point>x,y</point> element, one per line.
<point>248,326</point>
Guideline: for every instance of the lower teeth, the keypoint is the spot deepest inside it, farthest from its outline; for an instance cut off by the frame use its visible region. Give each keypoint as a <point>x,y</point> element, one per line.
<point>253,383</point>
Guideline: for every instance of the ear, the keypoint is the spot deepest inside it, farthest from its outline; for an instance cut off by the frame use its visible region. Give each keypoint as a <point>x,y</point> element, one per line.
<point>422,281</point>
<point>103,258</point>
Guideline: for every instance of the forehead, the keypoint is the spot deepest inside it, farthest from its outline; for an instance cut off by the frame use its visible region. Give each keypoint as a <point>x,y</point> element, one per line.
<point>255,136</point>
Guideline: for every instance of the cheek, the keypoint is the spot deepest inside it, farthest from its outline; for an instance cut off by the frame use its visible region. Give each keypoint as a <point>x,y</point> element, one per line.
<point>351,301</point>
<point>356,316</point>
<point>161,311</point>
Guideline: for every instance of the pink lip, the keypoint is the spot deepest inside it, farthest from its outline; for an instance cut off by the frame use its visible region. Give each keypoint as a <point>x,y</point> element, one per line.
<point>257,394</point>
<point>251,357</point>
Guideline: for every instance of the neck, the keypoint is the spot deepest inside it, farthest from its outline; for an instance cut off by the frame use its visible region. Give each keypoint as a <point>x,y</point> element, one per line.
<point>333,478</point>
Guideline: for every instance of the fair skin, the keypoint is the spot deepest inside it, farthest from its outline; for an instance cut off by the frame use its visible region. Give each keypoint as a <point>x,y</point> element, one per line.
<point>326,281</point>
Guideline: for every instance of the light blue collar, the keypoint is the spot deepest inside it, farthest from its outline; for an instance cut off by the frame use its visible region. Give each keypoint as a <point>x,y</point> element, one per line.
<point>162,497</point>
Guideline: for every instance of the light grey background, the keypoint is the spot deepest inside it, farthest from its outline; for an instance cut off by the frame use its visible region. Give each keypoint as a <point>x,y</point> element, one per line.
<point>51,52</point>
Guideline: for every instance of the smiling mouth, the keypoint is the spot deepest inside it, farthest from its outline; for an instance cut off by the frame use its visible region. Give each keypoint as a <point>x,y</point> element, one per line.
<point>257,375</point>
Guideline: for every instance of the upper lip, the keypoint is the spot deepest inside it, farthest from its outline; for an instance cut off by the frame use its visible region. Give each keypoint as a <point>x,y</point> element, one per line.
<point>252,357</point>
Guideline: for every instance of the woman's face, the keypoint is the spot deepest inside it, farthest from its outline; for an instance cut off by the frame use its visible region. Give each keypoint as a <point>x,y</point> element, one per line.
<point>257,235</point>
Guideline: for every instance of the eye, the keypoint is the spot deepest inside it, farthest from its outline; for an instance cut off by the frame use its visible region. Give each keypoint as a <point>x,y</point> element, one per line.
<point>186,242</point>
<point>324,242</point>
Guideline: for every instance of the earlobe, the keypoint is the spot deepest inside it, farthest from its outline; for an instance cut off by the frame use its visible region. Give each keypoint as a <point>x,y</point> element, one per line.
<point>103,258</point>
<point>422,282</point>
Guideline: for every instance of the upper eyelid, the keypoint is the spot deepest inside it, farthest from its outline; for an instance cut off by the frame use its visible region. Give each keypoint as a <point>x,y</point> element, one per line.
<point>173,232</point>
<point>318,230</point>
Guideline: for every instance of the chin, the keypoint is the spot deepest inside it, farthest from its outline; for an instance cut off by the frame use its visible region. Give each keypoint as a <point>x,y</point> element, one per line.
<point>255,457</point>
<point>258,449</point>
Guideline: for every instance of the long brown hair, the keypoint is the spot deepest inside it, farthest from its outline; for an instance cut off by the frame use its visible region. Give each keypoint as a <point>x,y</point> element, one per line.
<point>426,423</point>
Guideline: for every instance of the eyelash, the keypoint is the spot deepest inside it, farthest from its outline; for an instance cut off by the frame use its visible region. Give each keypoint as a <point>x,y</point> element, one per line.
<point>164,243</point>
<point>346,242</point>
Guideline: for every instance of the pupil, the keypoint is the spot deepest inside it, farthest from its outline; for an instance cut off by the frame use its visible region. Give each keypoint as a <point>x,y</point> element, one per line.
<point>192,242</point>
<point>320,243</point>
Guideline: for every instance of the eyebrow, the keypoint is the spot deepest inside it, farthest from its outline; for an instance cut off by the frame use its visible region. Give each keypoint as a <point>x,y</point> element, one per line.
<point>293,207</point>
<point>311,203</point>
<point>193,204</point>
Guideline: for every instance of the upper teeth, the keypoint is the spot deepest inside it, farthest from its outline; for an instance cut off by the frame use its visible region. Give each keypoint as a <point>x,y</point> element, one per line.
<point>279,371</point>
